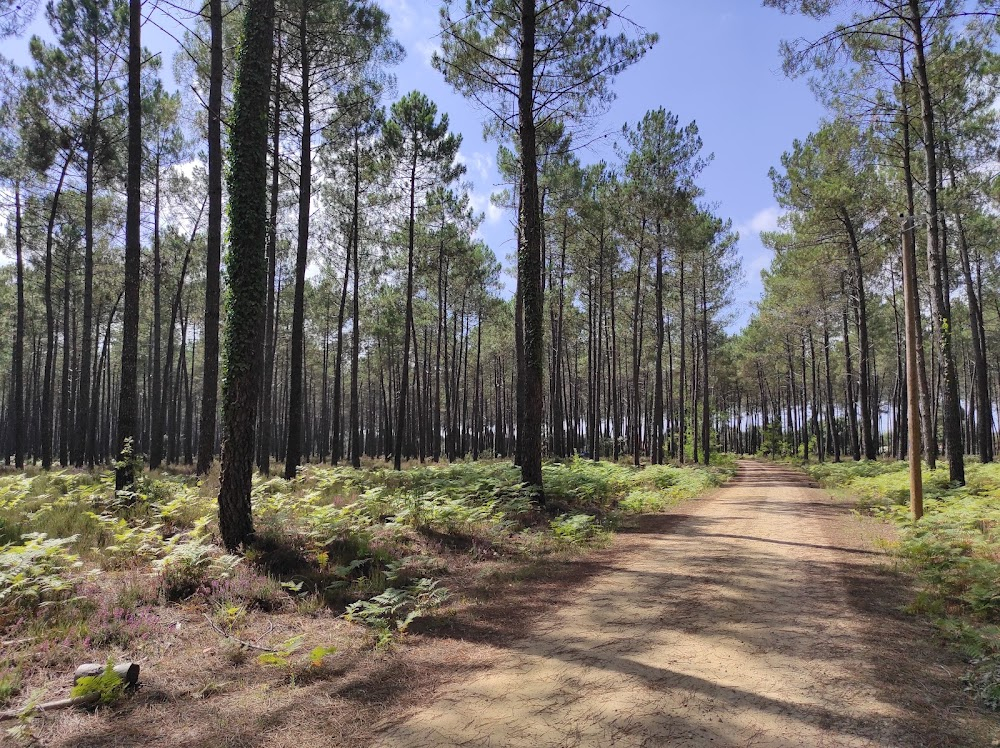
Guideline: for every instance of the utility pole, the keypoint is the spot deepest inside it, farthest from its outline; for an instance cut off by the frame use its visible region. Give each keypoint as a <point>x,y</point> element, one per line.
<point>912,384</point>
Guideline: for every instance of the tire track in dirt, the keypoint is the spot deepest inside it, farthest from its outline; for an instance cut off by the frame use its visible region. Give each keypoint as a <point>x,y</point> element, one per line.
<point>759,616</point>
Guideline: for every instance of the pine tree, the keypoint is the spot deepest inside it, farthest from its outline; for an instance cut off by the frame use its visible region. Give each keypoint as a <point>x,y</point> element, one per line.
<point>246,269</point>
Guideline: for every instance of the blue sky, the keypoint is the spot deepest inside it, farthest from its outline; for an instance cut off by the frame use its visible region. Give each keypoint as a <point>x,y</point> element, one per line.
<point>717,63</point>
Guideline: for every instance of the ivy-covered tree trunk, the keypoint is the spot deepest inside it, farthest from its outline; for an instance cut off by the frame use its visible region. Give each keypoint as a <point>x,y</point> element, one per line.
<point>246,270</point>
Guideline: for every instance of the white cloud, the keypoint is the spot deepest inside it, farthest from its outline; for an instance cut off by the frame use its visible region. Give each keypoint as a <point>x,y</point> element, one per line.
<point>763,220</point>
<point>754,262</point>
<point>478,163</point>
<point>401,13</point>
<point>481,203</point>
<point>426,49</point>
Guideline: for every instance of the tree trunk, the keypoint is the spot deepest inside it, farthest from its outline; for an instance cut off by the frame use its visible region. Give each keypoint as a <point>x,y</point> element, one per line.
<point>210,345</point>
<point>705,436</point>
<point>127,393</point>
<point>864,349</point>
<point>408,319</point>
<point>984,410</point>
<point>355,417</point>
<point>17,401</point>
<point>50,336</point>
<point>637,354</point>
<point>293,450</point>
<point>156,416</point>
<point>952,404</point>
<point>246,266</point>
<point>338,437</point>
<point>529,261</point>
<point>82,408</point>
<point>270,315</point>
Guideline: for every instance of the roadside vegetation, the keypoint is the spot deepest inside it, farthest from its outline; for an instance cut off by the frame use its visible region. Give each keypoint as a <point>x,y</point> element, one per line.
<point>954,551</point>
<point>91,574</point>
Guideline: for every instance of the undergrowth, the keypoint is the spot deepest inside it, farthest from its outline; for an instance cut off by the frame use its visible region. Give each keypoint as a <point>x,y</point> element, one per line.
<point>86,571</point>
<point>954,550</point>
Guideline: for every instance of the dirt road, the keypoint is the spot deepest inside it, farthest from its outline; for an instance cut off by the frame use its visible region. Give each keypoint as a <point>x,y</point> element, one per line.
<point>759,616</point>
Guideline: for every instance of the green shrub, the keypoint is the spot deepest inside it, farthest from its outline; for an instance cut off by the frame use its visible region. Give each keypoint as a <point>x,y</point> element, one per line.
<point>37,572</point>
<point>585,482</point>
<point>107,686</point>
<point>954,549</point>
<point>191,565</point>
<point>10,686</point>
<point>574,528</point>
<point>397,607</point>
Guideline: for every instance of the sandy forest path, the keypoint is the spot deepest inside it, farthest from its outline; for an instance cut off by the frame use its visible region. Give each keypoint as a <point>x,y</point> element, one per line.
<point>762,615</point>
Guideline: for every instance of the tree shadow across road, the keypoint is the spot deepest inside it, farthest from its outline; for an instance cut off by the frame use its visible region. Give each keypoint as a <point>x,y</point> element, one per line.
<point>756,617</point>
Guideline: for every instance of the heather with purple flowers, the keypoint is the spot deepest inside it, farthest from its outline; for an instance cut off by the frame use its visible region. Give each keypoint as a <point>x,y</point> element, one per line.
<point>112,625</point>
<point>246,587</point>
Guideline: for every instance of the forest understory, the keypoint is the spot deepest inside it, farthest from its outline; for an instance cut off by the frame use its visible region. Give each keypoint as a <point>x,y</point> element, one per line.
<point>362,589</point>
<point>371,599</point>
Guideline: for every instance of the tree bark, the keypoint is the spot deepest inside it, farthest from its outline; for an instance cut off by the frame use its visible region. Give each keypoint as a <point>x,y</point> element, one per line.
<point>127,393</point>
<point>293,449</point>
<point>270,315</point>
<point>397,458</point>
<point>952,404</point>
<point>355,416</point>
<point>529,261</point>
<point>210,344</point>
<point>246,268</point>
<point>17,401</point>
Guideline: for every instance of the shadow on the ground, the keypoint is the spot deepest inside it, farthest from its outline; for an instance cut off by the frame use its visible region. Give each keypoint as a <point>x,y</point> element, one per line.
<point>728,577</point>
<point>724,582</point>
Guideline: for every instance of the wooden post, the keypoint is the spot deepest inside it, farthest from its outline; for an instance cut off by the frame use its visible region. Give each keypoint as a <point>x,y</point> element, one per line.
<point>912,385</point>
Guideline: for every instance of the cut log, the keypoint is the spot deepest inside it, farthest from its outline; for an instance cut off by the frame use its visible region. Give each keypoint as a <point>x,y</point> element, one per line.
<point>126,671</point>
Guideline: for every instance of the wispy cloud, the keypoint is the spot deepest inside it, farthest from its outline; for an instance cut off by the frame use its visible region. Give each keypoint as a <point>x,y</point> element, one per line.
<point>762,220</point>
<point>402,13</point>
<point>482,203</point>
<point>477,163</point>
<point>426,49</point>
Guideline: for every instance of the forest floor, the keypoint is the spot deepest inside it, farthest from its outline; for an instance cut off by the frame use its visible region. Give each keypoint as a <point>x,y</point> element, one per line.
<point>762,615</point>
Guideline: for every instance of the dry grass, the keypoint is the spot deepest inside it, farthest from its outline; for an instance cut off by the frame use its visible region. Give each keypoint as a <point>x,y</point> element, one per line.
<point>201,690</point>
